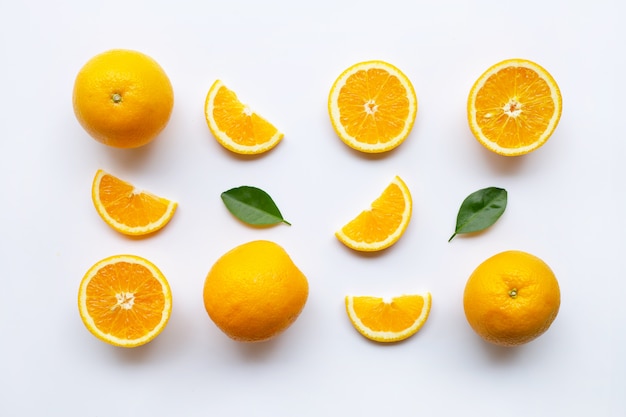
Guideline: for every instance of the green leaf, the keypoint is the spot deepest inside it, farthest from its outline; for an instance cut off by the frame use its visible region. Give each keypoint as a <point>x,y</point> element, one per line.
<point>480,210</point>
<point>253,206</point>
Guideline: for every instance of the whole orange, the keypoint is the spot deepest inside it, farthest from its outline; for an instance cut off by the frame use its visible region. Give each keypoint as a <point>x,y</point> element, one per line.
<point>254,292</point>
<point>511,298</point>
<point>123,98</point>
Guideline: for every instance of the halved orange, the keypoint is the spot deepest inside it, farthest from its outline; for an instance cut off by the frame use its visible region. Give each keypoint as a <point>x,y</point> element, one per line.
<point>235,126</point>
<point>127,209</point>
<point>388,320</point>
<point>383,223</point>
<point>124,300</point>
<point>372,106</point>
<point>514,107</point>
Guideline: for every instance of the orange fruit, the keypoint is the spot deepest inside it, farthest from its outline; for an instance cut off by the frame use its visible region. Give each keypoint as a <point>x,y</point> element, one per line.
<point>255,291</point>
<point>383,223</point>
<point>123,98</point>
<point>235,126</point>
<point>372,106</point>
<point>511,298</point>
<point>388,320</point>
<point>128,210</point>
<point>124,300</point>
<point>514,107</point>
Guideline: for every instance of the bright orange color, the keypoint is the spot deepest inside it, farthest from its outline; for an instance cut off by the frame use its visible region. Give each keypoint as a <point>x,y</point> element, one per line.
<point>128,210</point>
<point>235,126</point>
<point>390,320</point>
<point>123,98</point>
<point>514,107</point>
<point>511,298</point>
<point>255,292</point>
<point>124,300</point>
<point>383,223</point>
<point>372,106</point>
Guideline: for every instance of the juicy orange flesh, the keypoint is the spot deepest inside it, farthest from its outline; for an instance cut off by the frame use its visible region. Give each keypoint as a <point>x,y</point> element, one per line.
<point>381,220</point>
<point>525,95</point>
<point>124,204</point>
<point>235,119</point>
<point>395,316</point>
<point>125,300</point>
<point>373,106</point>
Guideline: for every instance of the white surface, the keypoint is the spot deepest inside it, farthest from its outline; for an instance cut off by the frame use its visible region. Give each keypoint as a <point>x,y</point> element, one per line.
<point>566,205</point>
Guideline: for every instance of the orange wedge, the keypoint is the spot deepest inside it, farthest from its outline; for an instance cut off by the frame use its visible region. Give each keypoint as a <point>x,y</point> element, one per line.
<point>372,106</point>
<point>235,126</point>
<point>127,209</point>
<point>383,223</point>
<point>514,107</point>
<point>124,300</point>
<point>388,320</point>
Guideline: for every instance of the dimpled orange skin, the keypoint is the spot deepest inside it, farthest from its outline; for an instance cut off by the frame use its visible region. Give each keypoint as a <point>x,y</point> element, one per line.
<point>511,298</point>
<point>123,98</point>
<point>255,292</point>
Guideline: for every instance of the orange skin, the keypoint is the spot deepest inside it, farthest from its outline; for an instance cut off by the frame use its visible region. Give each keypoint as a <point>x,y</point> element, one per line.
<point>255,292</point>
<point>123,98</point>
<point>512,298</point>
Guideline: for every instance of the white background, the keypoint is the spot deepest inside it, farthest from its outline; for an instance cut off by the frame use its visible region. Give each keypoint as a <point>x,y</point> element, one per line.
<point>566,205</point>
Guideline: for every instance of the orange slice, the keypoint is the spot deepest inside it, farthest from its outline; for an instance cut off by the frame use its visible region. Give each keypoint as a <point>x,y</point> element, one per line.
<point>124,300</point>
<point>127,209</point>
<point>514,107</point>
<point>235,126</point>
<point>383,223</point>
<point>388,320</point>
<point>372,106</point>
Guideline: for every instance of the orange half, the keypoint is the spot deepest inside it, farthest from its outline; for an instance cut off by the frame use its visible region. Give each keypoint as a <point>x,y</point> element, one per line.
<point>127,209</point>
<point>124,300</point>
<point>372,106</point>
<point>235,126</point>
<point>514,107</point>
<point>388,320</point>
<point>383,223</point>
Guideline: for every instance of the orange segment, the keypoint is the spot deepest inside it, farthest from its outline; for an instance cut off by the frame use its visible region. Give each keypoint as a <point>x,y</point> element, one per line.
<point>383,223</point>
<point>128,210</point>
<point>124,300</point>
<point>390,320</point>
<point>235,126</point>
<point>514,107</point>
<point>372,106</point>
